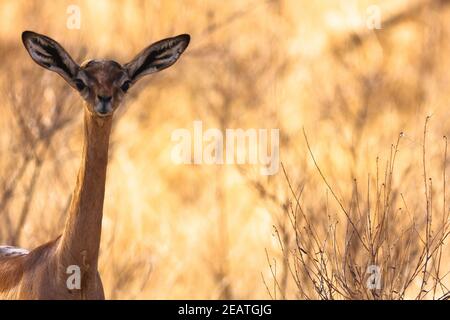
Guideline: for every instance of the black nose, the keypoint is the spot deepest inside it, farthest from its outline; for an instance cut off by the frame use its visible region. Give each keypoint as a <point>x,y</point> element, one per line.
<point>103,110</point>
<point>104,99</point>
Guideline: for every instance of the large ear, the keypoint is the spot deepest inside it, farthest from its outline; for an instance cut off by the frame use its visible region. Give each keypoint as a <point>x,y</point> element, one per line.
<point>50,54</point>
<point>156,57</point>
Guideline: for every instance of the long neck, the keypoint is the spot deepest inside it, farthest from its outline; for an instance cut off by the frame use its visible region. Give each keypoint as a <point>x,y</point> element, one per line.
<point>80,242</point>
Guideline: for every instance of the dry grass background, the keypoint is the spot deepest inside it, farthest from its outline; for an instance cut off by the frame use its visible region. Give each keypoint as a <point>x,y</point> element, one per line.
<point>309,68</point>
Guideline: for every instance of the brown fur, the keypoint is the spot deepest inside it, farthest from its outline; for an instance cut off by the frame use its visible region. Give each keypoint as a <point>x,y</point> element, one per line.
<point>42,273</point>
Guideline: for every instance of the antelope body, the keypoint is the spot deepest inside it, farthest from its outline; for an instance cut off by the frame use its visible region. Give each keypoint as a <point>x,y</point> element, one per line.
<point>42,272</point>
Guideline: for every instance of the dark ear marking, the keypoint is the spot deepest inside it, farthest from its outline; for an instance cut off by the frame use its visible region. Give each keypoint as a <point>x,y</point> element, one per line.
<point>147,62</point>
<point>158,56</point>
<point>49,54</point>
<point>53,55</point>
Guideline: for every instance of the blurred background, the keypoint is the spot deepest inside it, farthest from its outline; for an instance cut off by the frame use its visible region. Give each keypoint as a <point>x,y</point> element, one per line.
<point>359,90</point>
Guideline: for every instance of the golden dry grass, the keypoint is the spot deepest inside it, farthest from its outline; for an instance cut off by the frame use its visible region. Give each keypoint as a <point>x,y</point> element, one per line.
<point>203,232</point>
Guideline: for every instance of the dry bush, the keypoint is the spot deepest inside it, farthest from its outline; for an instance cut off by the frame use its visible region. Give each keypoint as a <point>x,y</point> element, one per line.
<point>379,249</point>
